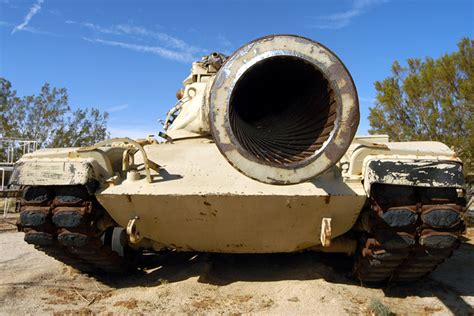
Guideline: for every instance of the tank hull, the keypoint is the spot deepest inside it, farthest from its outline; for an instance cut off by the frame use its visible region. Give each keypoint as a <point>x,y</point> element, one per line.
<point>204,204</point>
<point>397,207</point>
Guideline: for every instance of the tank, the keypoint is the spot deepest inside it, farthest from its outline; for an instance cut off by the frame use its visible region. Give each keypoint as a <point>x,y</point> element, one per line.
<point>259,155</point>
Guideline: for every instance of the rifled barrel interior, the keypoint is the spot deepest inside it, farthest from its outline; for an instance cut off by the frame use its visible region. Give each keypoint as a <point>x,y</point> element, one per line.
<point>282,110</point>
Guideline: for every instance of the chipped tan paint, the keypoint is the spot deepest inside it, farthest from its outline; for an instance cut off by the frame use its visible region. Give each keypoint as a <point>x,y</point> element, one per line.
<point>65,166</point>
<point>340,137</point>
<point>341,83</point>
<point>413,172</point>
<point>362,153</point>
<point>37,172</point>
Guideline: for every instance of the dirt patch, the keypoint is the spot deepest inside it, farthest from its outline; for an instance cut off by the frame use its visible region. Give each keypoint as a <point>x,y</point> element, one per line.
<point>62,296</point>
<point>307,283</point>
<point>204,303</point>
<point>8,223</point>
<point>77,312</point>
<point>129,304</point>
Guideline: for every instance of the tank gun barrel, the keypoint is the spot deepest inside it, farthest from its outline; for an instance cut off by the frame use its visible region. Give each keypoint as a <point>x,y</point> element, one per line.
<point>283,109</point>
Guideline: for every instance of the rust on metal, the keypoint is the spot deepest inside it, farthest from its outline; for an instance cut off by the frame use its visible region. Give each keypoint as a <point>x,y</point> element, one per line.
<point>403,253</point>
<point>79,246</point>
<point>179,94</point>
<point>289,127</point>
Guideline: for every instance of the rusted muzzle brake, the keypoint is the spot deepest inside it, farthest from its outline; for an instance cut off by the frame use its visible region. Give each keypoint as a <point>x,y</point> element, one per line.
<point>283,109</point>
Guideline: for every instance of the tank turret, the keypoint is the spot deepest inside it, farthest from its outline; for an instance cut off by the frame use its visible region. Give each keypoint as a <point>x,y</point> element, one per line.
<point>282,109</point>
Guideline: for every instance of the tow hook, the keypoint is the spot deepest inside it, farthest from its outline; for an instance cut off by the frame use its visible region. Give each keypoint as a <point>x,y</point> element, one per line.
<point>326,232</point>
<point>132,231</point>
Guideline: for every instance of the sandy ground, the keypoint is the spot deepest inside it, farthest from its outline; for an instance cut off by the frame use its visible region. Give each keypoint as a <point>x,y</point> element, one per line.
<point>303,284</point>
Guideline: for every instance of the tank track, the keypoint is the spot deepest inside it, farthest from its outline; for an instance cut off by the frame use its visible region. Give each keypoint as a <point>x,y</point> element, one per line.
<point>405,242</point>
<point>68,224</point>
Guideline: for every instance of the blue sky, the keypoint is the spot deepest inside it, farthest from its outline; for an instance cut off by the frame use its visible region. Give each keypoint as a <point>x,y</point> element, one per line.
<point>129,57</point>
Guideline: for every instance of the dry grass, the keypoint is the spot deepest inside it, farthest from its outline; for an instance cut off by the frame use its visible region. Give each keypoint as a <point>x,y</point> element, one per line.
<point>377,308</point>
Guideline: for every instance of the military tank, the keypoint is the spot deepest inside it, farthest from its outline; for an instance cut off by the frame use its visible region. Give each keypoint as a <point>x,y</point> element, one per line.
<point>259,156</point>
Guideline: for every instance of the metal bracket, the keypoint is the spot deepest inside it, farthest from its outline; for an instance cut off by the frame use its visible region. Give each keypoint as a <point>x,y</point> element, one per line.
<point>132,231</point>
<point>148,164</point>
<point>326,232</point>
<point>128,159</point>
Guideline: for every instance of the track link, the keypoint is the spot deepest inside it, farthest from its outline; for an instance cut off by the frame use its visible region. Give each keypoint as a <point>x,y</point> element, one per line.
<point>404,243</point>
<point>63,223</point>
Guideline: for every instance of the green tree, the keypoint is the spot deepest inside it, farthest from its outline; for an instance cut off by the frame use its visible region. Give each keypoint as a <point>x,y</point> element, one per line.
<point>430,99</point>
<point>48,118</point>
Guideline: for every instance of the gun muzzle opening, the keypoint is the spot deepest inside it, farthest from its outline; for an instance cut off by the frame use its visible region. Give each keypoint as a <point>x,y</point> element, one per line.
<point>282,110</point>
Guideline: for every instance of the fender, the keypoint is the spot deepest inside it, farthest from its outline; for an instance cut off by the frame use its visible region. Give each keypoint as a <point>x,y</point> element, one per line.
<point>67,166</point>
